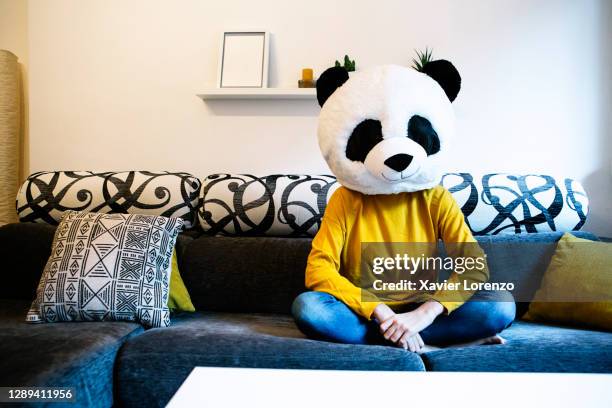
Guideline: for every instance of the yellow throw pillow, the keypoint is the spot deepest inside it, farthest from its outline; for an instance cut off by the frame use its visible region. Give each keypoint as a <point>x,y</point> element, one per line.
<point>579,280</point>
<point>179,299</point>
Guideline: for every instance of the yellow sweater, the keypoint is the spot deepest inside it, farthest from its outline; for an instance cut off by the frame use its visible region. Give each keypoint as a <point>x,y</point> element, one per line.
<point>352,218</point>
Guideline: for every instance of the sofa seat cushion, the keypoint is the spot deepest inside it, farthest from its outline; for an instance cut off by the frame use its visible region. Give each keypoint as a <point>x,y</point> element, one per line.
<point>79,355</point>
<point>531,347</point>
<point>235,340</point>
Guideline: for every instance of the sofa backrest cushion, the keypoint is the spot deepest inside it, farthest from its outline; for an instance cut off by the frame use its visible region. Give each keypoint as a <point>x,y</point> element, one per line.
<point>44,196</point>
<point>293,205</point>
<point>264,274</point>
<point>244,274</point>
<point>261,274</point>
<point>25,249</point>
<point>522,259</point>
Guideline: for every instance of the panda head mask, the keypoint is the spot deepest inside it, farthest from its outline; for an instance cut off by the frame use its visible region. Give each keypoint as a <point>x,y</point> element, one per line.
<point>385,130</point>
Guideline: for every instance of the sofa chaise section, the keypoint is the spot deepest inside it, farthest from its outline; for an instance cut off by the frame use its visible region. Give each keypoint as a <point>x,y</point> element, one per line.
<point>79,355</point>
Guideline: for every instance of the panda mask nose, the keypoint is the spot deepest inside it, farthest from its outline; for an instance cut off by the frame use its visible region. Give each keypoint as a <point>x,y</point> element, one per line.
<point>395,159</point>
<point>399,162</point>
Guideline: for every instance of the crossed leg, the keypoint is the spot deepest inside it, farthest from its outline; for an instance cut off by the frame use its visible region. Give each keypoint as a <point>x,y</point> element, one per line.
<point>320,315</point>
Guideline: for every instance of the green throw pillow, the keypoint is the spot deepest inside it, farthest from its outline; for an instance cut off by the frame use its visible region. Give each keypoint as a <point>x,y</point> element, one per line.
<point>179,300</point>
<point>577,286</point>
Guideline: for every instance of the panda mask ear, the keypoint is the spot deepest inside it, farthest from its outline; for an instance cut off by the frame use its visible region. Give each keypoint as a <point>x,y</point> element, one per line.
<point>329,81</point>
<point>446,75</point>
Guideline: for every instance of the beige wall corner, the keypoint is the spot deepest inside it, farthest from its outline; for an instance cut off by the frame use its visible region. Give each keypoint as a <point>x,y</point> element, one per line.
<point>14,38</point>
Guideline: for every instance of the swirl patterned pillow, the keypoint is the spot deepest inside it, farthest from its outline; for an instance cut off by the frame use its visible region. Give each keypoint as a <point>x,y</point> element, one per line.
<point>293,205</point>
<point>283,205</point>
<point>45,196</point>
<point>514,204</point>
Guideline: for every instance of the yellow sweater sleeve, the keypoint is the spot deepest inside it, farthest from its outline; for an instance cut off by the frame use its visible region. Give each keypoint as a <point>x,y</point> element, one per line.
<point>323,268</point>
<point>454,230</point>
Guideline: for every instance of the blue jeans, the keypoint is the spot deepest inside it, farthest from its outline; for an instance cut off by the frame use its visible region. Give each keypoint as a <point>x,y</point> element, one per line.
<point>321,316</point>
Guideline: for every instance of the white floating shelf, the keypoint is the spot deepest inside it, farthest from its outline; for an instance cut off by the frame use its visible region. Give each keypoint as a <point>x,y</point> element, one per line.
<point>259,93</point>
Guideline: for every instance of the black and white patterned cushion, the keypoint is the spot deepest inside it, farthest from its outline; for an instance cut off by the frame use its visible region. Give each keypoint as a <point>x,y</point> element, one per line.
<point>282,205</point>
<point>44,196</point>
<point>293,205</point>
<point>508,203</point>
<point>108,267</point>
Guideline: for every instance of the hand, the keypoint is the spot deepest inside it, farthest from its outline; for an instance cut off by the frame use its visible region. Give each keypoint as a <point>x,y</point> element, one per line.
<point>414,343</point>
<point>400,328</point>
<point>382,312</point>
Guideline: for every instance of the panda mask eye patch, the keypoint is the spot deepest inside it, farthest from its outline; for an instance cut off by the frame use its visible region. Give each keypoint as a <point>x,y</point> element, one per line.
<point>421,131</point>
<point>365,136</point>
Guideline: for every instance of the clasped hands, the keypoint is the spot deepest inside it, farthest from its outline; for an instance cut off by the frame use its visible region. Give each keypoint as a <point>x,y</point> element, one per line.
<point>402,329</point>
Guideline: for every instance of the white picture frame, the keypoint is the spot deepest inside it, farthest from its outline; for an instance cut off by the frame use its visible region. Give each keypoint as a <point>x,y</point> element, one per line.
<point>243,59</point>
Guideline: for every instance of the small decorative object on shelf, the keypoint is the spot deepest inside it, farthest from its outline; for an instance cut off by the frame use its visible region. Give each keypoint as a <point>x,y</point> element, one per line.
<point>348,64</point>
<point>307,80</point>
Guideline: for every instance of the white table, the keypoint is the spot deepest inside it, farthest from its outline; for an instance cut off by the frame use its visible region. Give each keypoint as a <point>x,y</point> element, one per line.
<point>253,387</point>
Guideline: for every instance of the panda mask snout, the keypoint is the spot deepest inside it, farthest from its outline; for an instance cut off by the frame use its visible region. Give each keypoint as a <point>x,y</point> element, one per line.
<point>395,159</point>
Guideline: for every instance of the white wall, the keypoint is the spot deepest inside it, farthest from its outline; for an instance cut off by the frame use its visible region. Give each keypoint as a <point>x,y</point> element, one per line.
<point>113,83</point>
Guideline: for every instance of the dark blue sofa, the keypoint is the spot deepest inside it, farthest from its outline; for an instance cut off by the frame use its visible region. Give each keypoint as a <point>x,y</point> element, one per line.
<point>243,289</point>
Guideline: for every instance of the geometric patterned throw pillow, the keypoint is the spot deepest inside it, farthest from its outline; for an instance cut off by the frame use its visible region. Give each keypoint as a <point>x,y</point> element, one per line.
<point>108,267</point>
